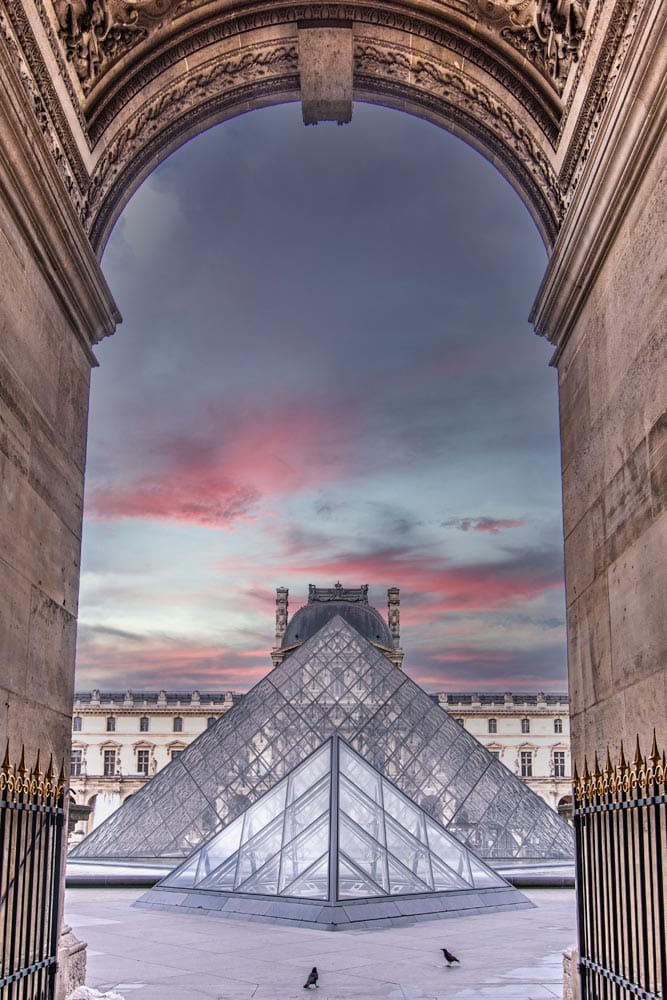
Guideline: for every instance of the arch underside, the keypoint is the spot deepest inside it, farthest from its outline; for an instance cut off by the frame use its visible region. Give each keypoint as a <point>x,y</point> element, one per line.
<point>145,114</point>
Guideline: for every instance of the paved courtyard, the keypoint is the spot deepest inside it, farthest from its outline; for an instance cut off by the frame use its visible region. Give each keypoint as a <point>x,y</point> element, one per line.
<point>159,955</point>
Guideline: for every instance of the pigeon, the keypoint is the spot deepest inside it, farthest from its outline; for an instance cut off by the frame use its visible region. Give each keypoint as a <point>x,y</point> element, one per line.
<point>449,958</point>
<point>312,979</point>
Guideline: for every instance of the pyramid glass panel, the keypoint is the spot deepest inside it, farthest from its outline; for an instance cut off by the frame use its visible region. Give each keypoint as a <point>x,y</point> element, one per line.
<point>313,884</point>
<point>300,854</point>
<point>343,819</point>
<point>336,682</point>
<point>354,883</point>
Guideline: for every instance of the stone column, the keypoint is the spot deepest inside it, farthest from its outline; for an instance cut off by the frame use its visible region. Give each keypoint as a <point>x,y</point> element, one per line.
<point>603,303</point>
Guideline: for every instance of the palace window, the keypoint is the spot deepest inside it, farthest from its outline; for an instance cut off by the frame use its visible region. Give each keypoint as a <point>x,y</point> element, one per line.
<point>495,753</point>
<point>558,725</point>
<point>178,724</point>
<point>559,763</point>
<point>461,722</point>
<point>143,761</point>
<point>76,763</point>
<point>526,763</point>
<point>176,752</point>
<point>109,763</point>
<point>77,722</point>
<point>111,724</point>
<point>493,725</point>
<point>211,721</point>
<point>525,725</point>
<point>144,723</point>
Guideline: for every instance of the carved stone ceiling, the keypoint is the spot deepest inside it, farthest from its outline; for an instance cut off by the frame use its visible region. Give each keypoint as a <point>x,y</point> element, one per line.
<point>97,34</point>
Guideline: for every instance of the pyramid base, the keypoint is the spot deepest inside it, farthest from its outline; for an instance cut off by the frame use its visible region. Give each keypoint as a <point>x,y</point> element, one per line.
<point>387,911</point>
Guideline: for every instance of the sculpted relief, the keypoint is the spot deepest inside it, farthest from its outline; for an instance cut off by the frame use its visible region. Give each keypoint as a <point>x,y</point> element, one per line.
<point>550,33</point>
<point>96,33</point>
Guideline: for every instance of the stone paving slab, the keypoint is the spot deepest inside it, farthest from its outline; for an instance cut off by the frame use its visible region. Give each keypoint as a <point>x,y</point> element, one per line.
<point>163,955</point>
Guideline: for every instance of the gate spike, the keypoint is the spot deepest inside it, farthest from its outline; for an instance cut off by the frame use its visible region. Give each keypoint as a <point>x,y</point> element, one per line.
<point>49,770</point>
<point>597,773</point>
<point>35,770</point>
<point>608,770</point>
<point>638,759</point>
<point>22,769</point>
<point>587,774</point>
<point>6,763</point>
<point>622,762</point>
<point>654,756</point>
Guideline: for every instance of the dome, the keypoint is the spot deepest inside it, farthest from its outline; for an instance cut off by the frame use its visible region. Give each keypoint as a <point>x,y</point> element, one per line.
<point>361,616</point>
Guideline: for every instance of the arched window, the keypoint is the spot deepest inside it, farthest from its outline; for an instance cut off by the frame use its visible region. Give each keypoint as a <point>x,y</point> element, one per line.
<point>558,725</point>
<point>525,725</point>
<point>111,724</point>
<point>77,722</point>
<point>178,724</point>
<point>493,725</point>
<point>144,724</point>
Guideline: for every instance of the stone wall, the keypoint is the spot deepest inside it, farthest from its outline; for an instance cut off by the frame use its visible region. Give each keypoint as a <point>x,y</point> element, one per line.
<point>53,303</point>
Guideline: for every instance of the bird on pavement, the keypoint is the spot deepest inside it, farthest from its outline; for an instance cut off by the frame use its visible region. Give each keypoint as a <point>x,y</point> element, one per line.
<point>312,979</point>
<point>449,958</point>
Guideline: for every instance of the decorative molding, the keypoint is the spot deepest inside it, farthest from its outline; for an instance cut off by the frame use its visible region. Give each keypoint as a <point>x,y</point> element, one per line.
<point>74,180</point>
<point>249,73</point>
<point>96,34</point>
<point>542,109</point>
<point>193,98</point>
<point>617,39</point>
<point>36,80</point>
<point>56,48</point>
<point>583,57</point>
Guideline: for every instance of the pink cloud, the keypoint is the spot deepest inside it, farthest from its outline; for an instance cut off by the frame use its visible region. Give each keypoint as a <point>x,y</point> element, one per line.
<point>146,662</point>
<point>432,587</point>
<point>219,475</point>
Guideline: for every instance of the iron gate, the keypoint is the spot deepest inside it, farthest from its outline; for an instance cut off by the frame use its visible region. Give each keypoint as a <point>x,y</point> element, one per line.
<point>31,832</point>
<point>620,817</point>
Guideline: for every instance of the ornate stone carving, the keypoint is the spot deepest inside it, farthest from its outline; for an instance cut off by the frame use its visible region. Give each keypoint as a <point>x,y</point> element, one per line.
<point>549,33</point>
<point>213,78</point>
<point>230,23</point>
<point>95,33</point>
<point>74,179</point>
<point>620,31</point>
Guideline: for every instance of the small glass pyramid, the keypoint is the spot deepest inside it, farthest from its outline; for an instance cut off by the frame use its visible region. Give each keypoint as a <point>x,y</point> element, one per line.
<point>333,815</point>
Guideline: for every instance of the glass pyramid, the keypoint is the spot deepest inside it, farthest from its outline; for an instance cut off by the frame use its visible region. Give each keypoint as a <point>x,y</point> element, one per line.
<point>334,829</point>
<point>337,682</point>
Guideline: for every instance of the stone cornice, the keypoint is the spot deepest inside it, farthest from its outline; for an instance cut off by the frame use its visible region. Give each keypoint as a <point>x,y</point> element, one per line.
<point>435,25</point>
<point>44,214</point>
<point>390,74</point>
<point>632,122</point>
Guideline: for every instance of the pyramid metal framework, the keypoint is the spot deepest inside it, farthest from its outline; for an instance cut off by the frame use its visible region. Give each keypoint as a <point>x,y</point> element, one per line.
<point>334,831</point>
<point>337,682</point>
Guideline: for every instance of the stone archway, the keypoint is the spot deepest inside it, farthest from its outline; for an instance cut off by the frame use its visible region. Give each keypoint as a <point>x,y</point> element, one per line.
<point>566,97</point>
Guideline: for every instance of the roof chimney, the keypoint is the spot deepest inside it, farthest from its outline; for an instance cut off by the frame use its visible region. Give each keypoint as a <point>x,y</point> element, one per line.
<point>282,594</point>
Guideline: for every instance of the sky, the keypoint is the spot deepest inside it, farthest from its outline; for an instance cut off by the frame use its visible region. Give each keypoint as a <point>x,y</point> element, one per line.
<point>324,373</point>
